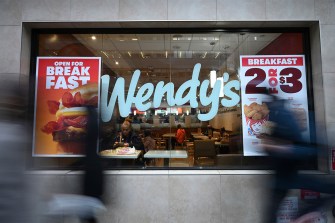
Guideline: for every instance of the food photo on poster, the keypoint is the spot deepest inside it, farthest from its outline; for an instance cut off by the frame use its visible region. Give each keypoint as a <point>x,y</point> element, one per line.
<point>282,76</point>
<point>65,86</point>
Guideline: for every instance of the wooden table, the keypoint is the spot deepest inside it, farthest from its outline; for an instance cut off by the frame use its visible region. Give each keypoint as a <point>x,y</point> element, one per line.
<point>111,153</point>
<point>201,137</point>
<point>168,137</point>
<point>166,155</point>
<point>222,147</point>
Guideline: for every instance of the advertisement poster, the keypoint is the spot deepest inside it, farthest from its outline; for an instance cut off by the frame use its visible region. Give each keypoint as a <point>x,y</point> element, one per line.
<point>288,210</point>
<point>281,75</point>
<point>64,86</point>
<point>309,195</point>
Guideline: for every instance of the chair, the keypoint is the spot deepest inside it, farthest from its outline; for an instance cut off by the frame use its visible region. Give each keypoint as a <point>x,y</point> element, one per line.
<point>189,147</point>
<point>216,135</point>
<point>229,159</point>
<point>180,145</point>
<point>160,143</point>
<point>204,153</point>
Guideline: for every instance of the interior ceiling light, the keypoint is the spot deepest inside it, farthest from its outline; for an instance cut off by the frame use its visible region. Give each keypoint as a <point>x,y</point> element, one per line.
<point>93,37</point>
<point>217,54</point>
<point>129,53</point>
<point>255,38</point>
<point>177,37</point>
<point>134,39</point>
<point>116,62</point>
<point>204,56</point>
<point>53,38</point>
<point>212,77</point>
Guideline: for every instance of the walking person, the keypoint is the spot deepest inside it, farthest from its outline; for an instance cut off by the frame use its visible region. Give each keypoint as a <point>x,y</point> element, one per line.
<point>287,151</point>
<point>93,180</point>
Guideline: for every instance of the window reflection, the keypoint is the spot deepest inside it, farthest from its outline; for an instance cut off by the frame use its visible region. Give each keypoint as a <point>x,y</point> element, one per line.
<point>171,58</point>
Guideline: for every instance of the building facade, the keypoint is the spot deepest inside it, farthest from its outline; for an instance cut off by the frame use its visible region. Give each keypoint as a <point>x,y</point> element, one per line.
<point>175,195</point>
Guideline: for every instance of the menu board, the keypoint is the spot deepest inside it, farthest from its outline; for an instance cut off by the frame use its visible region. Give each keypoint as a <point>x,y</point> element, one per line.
<point>280,75</point>
<point>64,87</point>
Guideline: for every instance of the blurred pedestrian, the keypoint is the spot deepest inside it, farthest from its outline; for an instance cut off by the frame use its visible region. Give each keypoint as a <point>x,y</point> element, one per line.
<point>14,200</point>
<point>89,202</point>
<point>93,179</point>
<point>287,150</point>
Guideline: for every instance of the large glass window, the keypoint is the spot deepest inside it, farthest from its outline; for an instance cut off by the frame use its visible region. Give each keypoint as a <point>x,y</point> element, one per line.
<point>168,62</point>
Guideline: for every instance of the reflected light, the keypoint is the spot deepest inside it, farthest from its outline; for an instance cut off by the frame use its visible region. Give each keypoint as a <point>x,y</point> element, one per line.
<point>222,87</point>
<point>212,77</point>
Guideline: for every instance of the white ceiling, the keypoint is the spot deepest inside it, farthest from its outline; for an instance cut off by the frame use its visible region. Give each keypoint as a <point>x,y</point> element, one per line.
<point>165,56</point>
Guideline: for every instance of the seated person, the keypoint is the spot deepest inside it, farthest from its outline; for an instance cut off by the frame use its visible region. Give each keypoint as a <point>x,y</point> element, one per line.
<point>222,131</point>
<point>128,138</point>
<point>149,142</point>
<point>209,131</point>
<point>180,135</point>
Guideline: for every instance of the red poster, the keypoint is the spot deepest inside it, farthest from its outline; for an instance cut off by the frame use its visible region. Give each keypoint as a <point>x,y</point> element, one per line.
<point>283,76</point>
<point>64,86</point>
<point>308,194</point>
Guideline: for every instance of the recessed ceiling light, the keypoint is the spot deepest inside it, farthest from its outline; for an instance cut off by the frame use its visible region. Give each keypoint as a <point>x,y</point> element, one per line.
<point>93,37</point>
<point>177,36</point>
<point>134,39</point>
<point>116,62</point>
<point>53,38</point>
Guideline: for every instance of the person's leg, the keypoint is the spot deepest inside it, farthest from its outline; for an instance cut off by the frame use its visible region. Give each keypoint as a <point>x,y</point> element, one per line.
<point>276,197</point>
<point>89,220</point>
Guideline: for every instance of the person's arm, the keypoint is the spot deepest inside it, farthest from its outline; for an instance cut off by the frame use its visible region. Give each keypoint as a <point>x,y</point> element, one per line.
<point>117,142</point>
<point>146,145</point>
<point>136,141</point>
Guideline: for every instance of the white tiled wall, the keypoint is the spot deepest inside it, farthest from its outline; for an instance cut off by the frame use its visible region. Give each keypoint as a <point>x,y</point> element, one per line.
<point>168,198</point>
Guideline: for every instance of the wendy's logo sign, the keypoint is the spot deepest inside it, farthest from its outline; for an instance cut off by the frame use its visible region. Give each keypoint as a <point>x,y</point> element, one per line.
<point>142,103</point>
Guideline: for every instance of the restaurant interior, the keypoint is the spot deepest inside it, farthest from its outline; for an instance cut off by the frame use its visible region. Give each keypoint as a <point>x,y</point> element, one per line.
<point>170,56</point>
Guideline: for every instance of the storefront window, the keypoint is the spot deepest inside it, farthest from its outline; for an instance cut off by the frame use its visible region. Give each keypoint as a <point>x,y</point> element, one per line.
<point>176,76</point>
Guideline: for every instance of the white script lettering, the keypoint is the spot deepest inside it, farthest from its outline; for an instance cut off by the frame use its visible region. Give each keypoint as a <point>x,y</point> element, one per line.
<point>142,103</point>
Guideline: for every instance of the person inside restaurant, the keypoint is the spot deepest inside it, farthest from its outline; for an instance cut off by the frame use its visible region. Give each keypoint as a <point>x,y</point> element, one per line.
<point>180,135</point>
<point>209,131</point>
<point>148,141</point>
<point>128,138</point>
